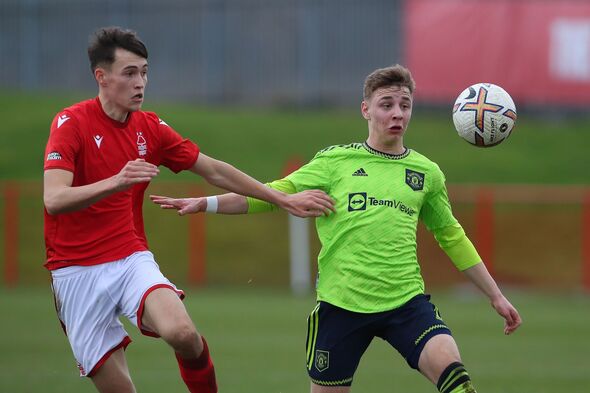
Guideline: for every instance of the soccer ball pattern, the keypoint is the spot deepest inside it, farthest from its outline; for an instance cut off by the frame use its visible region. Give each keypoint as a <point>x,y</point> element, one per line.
<point>484,114</point>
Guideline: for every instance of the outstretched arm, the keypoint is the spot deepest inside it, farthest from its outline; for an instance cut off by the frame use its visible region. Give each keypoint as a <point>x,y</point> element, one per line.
<point>479,275</point>
<point>223,175</point>
<point>224,204</point>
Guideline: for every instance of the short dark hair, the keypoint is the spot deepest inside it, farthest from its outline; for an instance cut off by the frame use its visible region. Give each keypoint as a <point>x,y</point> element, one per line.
<point>104,42</point>
<point>395,75</point>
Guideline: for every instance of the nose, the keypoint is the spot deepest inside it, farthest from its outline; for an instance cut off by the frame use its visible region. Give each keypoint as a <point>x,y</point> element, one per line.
<point>140,81</point>
<point>396,112</point>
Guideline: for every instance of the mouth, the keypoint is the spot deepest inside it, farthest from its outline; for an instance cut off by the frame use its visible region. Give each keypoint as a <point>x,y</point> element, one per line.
<point>137,98</point>
<point>396,128</point>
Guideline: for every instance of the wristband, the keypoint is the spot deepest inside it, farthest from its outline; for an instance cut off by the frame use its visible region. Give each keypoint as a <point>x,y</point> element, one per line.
<point>211,204</point>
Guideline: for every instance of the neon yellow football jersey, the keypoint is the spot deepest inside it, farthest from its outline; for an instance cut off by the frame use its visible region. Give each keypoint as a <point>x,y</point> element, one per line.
<point>368,260</point>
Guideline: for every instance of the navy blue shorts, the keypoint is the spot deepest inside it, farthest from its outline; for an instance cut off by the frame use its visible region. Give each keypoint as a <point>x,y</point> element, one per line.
<point>337,338</point>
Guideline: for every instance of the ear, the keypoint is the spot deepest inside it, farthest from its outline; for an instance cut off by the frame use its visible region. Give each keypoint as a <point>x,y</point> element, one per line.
<point>100,76</point>
<point>365,110</point>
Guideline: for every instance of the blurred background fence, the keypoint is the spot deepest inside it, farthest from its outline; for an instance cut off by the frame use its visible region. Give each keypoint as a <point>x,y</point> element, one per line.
<point>213,51</point>
<point>309,52</point>
<point>529,236</point>
<point>243,74</point>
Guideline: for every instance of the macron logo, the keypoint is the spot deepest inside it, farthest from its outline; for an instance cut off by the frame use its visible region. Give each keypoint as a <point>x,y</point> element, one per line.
<point>163,122</point>
<point>98,140</point>
<point>61,120</point>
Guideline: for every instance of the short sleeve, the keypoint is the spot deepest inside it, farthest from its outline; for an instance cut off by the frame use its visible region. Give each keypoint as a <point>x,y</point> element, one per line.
<point>178,153</point>
<point>63,144</point>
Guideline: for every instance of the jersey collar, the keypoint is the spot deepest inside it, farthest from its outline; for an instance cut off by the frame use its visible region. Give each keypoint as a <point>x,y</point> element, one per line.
<point>114,122</point>
<point>386,155</point>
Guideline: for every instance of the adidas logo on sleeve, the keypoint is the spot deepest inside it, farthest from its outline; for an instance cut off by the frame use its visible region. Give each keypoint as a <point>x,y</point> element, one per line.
<point>360,172</point>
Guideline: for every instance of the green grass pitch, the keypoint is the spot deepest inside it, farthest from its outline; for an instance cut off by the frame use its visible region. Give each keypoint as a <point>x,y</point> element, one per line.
<point>260,141</point>
<point>257,341</point>
<point>256,335</point>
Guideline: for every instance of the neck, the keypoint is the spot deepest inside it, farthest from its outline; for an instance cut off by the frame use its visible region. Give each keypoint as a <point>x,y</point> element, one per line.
<point>111,109</point>
<point>394,146</point>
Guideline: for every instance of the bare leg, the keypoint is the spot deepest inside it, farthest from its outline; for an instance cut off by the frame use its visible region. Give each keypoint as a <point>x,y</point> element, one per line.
<point>440,351</point>
<point>113,376</point>
<point>441,356</point>
<point>165,314</point>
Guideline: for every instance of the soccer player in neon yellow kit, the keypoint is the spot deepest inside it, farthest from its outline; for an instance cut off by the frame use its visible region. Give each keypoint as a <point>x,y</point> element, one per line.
<point>369,282</point>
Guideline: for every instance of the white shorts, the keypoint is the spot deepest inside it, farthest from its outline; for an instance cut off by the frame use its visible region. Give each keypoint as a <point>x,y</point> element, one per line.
<point>90,299</point>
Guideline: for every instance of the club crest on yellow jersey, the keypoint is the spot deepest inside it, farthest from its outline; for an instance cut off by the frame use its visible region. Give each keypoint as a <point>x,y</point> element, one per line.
<point>415,180</point>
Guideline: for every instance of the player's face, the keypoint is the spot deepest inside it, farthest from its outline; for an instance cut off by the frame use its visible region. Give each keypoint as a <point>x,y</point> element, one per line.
<point>388,112</point>
<point>123,83</point>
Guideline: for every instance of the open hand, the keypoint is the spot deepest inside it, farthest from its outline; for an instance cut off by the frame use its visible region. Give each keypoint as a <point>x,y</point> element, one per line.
<point>309,203</point>
<point>182,205</point>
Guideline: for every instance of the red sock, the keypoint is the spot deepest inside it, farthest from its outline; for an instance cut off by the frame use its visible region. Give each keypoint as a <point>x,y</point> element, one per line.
<point>198,374</point>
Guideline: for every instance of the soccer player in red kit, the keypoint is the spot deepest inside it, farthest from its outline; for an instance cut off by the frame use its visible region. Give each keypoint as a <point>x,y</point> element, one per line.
<point>100,157</point>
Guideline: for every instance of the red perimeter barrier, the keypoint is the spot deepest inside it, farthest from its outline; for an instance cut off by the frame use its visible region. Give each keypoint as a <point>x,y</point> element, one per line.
<point>11,228</point>
<point>484,227</point>
<point>292,164</point>
<point>485,198</point>
<point>197,245</point>
<point>586,242</point>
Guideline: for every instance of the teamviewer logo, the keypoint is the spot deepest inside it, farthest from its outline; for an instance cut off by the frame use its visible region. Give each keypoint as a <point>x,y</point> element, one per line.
<point>357,201</point>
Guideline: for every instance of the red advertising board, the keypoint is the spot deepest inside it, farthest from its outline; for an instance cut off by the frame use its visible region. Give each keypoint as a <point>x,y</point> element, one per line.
<point>539,51</point>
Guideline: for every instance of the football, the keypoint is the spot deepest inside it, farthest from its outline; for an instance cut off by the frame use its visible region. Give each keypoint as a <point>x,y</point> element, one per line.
<point>484,114</point>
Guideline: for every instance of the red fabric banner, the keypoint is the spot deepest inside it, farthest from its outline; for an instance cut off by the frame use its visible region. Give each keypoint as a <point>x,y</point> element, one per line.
<point>539,51</point>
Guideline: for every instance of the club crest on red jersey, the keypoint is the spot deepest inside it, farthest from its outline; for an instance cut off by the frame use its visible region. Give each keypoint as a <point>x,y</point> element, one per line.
<point>141,144</point>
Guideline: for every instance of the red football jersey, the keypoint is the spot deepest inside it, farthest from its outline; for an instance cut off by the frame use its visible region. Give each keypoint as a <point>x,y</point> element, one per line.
<point>91,145</point>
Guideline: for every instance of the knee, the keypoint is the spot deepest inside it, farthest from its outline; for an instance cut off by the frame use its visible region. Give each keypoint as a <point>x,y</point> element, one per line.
<point>440,351</point>
<point>184,336</point>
